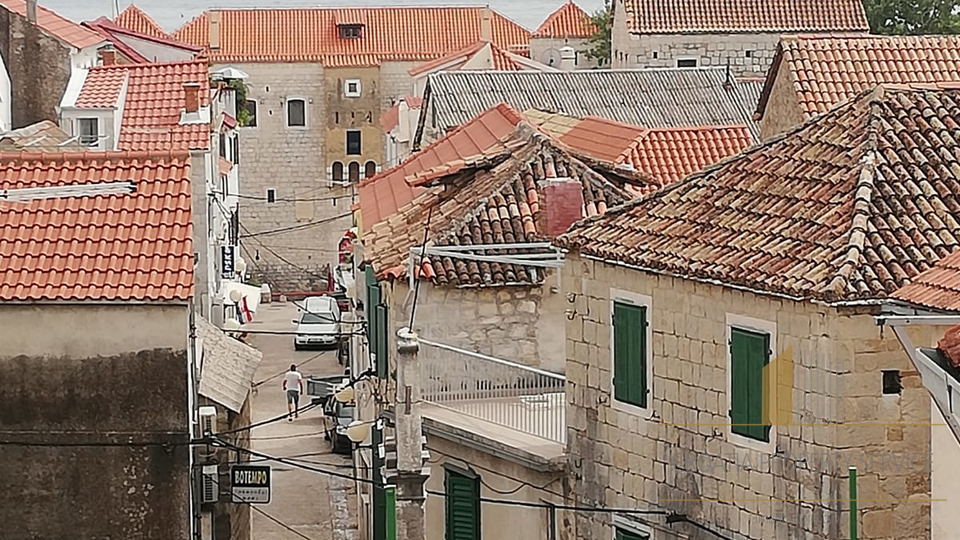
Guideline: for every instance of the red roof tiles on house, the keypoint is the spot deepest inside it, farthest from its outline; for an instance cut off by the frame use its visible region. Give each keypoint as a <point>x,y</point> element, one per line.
<point>63,29</point>
<point>745,16</point>
<point>568,22</point>
<point>155,99</point>
<point>121,247</point>
<point>117,35</point>
<point>849,206</point>
<point>133,18</point>
<point>478,56</point>
<point>937,288</point>
<point>828,70</point>
<point>312,34</point>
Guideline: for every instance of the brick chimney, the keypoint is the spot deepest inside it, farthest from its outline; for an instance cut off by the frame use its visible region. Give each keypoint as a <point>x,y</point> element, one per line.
<point>561,206</point>
<point>486,24</point>
<point>191,99</point>
<point>214,18</point>
<point>32,11</point>
<point>108,56</point>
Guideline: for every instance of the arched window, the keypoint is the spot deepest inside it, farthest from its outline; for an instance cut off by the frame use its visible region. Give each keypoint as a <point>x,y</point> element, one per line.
<point>354,171</point>
<point>337,171</point>
<point>369,169</point>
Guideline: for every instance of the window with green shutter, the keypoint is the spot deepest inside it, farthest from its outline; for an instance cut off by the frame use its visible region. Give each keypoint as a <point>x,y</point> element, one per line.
<point>462,506</point>
<point>630,354</point>
<point>749,353</point>
<point>623,534</point>
<point>383,345</point>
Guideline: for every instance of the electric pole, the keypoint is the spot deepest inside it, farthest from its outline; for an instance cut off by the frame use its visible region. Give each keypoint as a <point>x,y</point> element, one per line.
<point>409,435</point>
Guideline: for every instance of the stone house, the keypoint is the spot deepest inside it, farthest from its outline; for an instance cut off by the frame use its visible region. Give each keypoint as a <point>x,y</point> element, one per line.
<point>725,365</point>
<point>741,35</point>
<point>315,92</point>
<point>567,27</point>
<point>172,106</point>
<point>39,51</point>
<point>96,447</point>
<point>810,75</point>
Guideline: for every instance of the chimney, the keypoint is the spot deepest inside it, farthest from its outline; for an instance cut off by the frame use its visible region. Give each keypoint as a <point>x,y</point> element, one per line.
<point>32,11</point>
<point>403,118</point>
<point>108,56</point>
<point>486,24</point>
<point>191,98</point>
<point>562,205</point>
<point>214,18</point>
<point>568,59</point>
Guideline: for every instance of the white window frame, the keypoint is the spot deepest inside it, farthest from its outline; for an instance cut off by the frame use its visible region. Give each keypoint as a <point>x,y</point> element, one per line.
<point>621,522</point>
<point>627,297</point>
<point>681,58</point>
<point>266,197</point>
<point>257,116</point>
<point>760,326</point>
<point>346,88</point>
<point>306,112</point>
<point>79,133</point>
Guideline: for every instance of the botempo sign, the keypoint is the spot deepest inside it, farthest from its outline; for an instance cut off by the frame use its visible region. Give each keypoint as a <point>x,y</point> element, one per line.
<point>250,484</point>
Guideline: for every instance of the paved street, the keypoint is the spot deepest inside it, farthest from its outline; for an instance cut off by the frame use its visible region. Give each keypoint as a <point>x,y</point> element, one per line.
<point>317,506</point>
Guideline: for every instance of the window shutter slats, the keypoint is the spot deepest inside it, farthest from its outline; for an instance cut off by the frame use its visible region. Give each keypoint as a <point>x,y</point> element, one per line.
<point>630,353</point>
<point>749,353</point>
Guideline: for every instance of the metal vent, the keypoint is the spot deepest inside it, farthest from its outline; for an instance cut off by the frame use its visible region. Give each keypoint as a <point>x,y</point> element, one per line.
<point>208,420</point>
<point>209,484</point>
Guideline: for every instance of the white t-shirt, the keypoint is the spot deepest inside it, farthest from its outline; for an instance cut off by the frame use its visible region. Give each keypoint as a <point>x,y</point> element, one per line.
<point>293,378</point>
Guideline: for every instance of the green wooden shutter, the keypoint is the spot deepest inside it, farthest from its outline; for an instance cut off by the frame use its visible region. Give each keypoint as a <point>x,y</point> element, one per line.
<point>628,535</point>
<point>630,353</point>
<point>462,507</point>
<point>749,353</point>
<point>382,342</point>
<point>373,323</point>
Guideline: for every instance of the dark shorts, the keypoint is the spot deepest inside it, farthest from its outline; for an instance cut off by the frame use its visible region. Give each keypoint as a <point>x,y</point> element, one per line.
<point>293,396</point>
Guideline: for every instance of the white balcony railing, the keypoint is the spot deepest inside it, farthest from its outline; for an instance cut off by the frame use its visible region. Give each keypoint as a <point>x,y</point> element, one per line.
<point>502,392</point>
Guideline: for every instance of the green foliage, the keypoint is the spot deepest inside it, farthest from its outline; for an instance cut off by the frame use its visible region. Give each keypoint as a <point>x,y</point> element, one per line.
<point>598,45</point>
<point>913,17</point>
<point>243,115</point>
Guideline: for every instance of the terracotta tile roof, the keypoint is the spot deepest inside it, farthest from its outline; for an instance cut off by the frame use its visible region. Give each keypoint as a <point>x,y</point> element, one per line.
<point>495,200</point>
<point>118,36</point>
<point>745,16</point>
<point>42,136</point>
<point>125,247</point>
<point>569,22</point>
<point>828,70</point>
<point>63,29</point>
<point>311,34</point>
<point>153,105</point>
<point>937,288</point>
<point>388,191</point>
<point>480,56</point>
<point>133,18</point>
<point>849,206</point>
<point>391,118</point>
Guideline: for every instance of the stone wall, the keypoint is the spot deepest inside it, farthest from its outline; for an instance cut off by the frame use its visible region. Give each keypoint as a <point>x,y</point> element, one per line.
<point>538,46</point>
<point>306,221</point>
<point>360,113</point>
<point>395,82</point>
<point>678,454</point>
<point>231,521</point>
<point>783,111</point>
<point>39,69</point>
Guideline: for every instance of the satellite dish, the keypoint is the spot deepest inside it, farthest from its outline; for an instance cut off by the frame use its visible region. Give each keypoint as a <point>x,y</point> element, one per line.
<point>551,57</point>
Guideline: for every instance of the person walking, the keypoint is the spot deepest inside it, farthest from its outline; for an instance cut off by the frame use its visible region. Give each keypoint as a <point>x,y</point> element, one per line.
<point>293,385</point>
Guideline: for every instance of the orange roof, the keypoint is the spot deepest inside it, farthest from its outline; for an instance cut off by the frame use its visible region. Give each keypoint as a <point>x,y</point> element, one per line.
<point>120,247</point>
<point>744,16</point>
<point>383,194</point>
<point>154,102</point>
<point>133,18</point>
<point>570,21</point>
<point>938,287</point>
<point>391,118</point>
<point>63,29</point>
<point>828,70</point>
<point>311,34</point>
<point>499,60</point>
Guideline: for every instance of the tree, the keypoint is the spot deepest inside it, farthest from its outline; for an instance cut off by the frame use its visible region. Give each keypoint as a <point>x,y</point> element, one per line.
<point>913,17</point>
<point>598,45</point>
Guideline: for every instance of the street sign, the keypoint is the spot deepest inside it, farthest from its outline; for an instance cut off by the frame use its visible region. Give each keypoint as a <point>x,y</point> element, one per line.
<point>226,253</point>
<point>250,484</point>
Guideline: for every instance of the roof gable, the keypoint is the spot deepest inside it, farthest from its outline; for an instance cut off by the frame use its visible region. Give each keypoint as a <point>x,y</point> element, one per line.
<point>848,206</point>
<point>312,34</point>
<point>65,30</point>
<point>744,16</point>
<point>481,55</point>
<point>570,21</point>
<point>937,288</point>
<point>134,19</point>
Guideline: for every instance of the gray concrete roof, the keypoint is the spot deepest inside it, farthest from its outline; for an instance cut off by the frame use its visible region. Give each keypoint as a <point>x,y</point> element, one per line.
<point>653,98</point>
<point>228,366</point>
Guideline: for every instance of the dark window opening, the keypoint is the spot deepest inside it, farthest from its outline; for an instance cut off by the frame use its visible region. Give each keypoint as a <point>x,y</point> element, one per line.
<point>89,131</point>
<point>687,63</point>
<point>336,117</point>
<point>891,382</point>
<point>271,195</point>
<point>223,145</point>
<point>251,107</point>
<point>351,31</point>
<point>337,171</point>
<point>655,55</point>
<point>370,169</point>
<point>354,171</point>
<point>235,146</point>
<point>748,54</point>
<point>353,143</point>
<point>296,113</point>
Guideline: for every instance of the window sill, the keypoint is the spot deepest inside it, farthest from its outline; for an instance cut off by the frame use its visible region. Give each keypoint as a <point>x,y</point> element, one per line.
<point>747,443</point>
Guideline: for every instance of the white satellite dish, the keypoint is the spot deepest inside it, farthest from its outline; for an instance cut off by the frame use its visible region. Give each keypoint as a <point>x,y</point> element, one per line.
<point>551,57</point>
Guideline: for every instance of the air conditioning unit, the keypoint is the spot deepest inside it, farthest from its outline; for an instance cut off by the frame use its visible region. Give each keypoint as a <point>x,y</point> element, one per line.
<point>208,420</point>
<point>209,484</point>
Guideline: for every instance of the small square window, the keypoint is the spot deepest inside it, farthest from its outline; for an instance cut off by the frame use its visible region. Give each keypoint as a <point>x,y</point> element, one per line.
<point>748,54</point>
<point>354,147</point>
<point>271,195</point>
<point>351,88</point>
<point>891,382</point>
<point>89,131</point>
<point>296,113</point>
<point>655,55</point>
<point>686,62</point>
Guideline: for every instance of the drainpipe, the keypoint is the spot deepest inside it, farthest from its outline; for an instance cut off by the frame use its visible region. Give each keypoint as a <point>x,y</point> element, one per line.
<point>853,503</point>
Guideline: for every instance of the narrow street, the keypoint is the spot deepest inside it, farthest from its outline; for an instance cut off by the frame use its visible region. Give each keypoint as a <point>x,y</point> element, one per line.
<point>317,506</point>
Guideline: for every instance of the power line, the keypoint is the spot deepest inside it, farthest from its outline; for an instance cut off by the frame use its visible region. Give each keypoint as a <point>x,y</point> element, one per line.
<point>277,255</point>
<point>296,227</point>
<point>264,422</point>
<point>523,483</point>
<point>280,523</point>
<point>301,364</point>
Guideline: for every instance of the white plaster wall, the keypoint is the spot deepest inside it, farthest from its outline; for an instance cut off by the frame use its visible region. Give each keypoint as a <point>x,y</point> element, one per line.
<point>6,110</point>
<point>945,490</point>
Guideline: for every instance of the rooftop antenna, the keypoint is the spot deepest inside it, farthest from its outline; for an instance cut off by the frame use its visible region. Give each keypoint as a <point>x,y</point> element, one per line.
<point>116,8</point>
<point>728,82</point>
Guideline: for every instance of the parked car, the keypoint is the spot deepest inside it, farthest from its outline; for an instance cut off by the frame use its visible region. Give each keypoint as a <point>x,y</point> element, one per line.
<point>341,415</point>
<point>319,323</point>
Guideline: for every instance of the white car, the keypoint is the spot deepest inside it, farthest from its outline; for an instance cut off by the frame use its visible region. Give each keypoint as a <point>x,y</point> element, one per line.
<point>319,323</point>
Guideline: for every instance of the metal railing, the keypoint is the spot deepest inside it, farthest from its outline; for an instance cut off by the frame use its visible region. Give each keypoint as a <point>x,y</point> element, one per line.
<point>502,392</point>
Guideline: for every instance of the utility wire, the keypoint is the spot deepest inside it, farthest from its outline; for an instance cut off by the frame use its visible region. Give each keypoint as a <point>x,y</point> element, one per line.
<point>297,227</point>
<point>287,199</point>
<point>423,251</point>
<point>491,488</point>
<point>301,364</point>
<point>277,255</point>
<point>264,422</point>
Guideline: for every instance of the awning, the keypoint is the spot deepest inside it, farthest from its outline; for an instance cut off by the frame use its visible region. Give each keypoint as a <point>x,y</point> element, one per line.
<point>227,366</point>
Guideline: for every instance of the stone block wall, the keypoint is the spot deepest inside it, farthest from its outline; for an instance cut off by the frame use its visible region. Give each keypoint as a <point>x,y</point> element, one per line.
<point>748,55</point>
<point>39,69</point>
<point>678,453</point>
<point>395,82</point>
<point>286,243</point>
<point>782,112</point>
<point>539,46</point>
<point>230,521</point>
